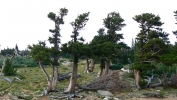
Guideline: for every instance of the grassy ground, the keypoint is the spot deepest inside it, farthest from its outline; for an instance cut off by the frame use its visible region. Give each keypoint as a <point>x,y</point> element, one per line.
<point>34,81</point>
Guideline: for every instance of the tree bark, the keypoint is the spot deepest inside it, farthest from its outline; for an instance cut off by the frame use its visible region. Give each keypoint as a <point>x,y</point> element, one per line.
<point>54,79</point>
<point>44,71</point>
<point>100,72</point>
<point>137,78</point>
<point>73,79</point>
<point>102,65</point>
<point>107,65</point>
<point>3,65</point>
<point>92,65</point>
<point>51,82</point>
<point>87,66</point>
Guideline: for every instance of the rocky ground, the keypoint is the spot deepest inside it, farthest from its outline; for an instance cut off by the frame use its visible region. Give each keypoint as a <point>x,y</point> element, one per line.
<point>130,93</point>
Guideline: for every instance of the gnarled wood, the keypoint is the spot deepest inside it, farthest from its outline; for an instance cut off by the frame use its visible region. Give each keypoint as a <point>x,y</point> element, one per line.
<point>73,79</point>
<point>44,71</point>
<point>137,78</point>
<point>87,65</point>
<point>107,65</point>
<point>66,76</point>
<point>88,88</point>
<point>91,65</point>
<point>12,58</point>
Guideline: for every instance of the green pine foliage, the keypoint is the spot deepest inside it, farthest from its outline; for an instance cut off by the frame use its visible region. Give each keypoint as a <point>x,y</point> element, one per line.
<point>7,52</point>
<point>1,62</point>
<point>8,68</point>
<point>161,68</point>
<point>116,66</point>
<point>151,42</point>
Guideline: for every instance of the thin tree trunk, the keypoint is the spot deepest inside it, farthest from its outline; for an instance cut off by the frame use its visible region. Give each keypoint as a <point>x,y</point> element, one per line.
<point>107,65</point>
<point>92,65</point>
<point>73,79</point>
<point>48,89</point>
<point>100,72</point>
<point>102,65</point>
<point>45,73</point>
<point>137,78</point>
<point>54,79</point>
<point>12,58</point>
<point>3,65</point>
<point>87,66</point>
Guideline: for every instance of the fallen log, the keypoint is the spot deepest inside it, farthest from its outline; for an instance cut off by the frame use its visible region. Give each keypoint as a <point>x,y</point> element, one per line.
<point>162,84</point>
<point>66,76</point>
<point>87,88</point>
<point>166,81</point>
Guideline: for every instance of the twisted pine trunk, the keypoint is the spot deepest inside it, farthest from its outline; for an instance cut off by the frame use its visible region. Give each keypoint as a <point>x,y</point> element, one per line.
<point>137,78</point>
<point>91,66</point>
<point>51,82</point>
<point>107,65</point>
<point>73,79</point>
<point>102,65</point>
<point>87,66</point>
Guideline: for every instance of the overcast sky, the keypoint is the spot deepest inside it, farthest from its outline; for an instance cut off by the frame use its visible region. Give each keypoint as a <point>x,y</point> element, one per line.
<point>24,22</point>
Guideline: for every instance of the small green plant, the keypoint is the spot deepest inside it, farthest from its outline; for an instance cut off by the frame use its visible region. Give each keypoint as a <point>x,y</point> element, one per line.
<point>21,76</point>
<point>162,94</point>
<point>65,68</point>
<point>143,83</point>
<point>9,68</point>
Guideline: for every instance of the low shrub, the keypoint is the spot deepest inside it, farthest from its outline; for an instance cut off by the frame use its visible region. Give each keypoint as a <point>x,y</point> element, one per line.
<point>22,62</point>
<point>161,68</point>
<point>9,69</point>
<point>1,61</point>
<point>116,66</point>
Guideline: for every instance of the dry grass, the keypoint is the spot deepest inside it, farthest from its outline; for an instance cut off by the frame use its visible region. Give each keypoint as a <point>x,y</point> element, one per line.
<point>34,80</point>
<point>34,83</point>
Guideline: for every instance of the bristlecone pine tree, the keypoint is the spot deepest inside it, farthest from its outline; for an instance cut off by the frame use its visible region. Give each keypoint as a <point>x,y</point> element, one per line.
<point>76,48</point>
<point>41,53</point>
<point>150,43</point>
<point>55,40</point>
<point>105,44</point>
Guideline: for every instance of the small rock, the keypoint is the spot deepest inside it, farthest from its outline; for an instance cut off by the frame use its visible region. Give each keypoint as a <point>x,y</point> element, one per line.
<point>10,96</point>
<point>6,97</point>
<point>159,88</point>
<point>106,98</point>
<point>105,93</point>
<point>116,99</point>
